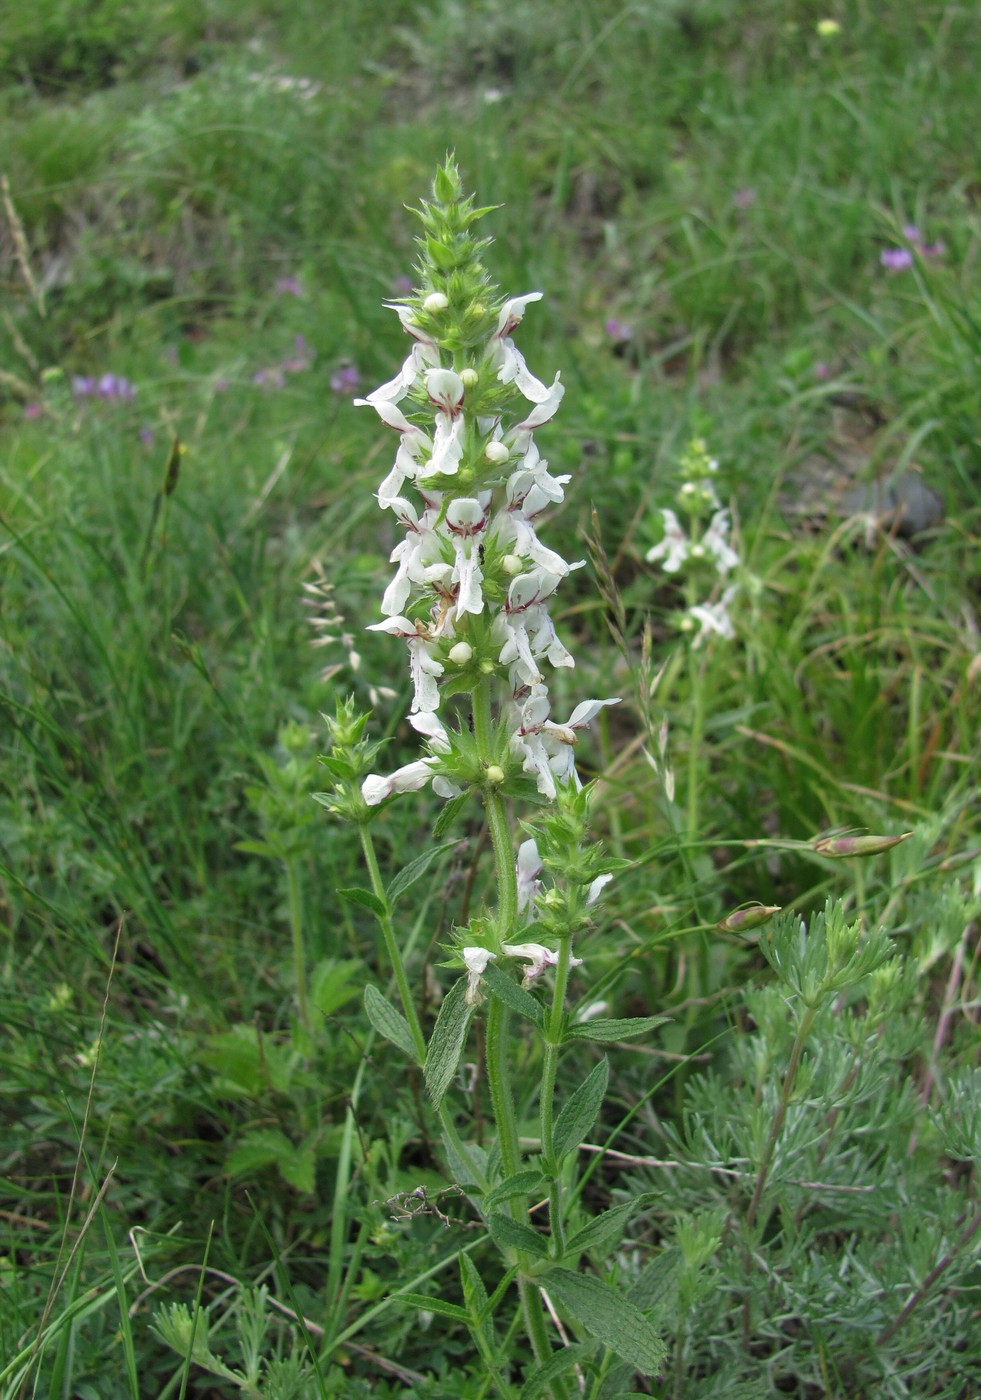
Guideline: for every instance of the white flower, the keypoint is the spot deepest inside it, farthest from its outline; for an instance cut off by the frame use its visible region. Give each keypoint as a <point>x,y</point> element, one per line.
<point>447,444</point>
<point>544,411</point>
<point>475,960</point>
<point>466,520</point>
<point>411,778</point>
<point>446,390</point>
<point>503,355</point>
<point>714,540</point>
<point>527,868</point>
<point>376,787</point>
<point>423,665</point>
<point>713,618</point>
<point>418,556</point>
<point>674,548</point>
<point>547,748</point>
<point>596,888</point>
<point>538,956</point>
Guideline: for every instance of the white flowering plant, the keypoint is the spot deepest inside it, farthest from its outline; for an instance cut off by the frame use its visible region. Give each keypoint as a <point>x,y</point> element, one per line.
<point>471,601</point>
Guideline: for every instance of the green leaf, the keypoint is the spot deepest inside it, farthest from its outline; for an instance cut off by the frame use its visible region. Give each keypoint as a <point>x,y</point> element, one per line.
<point>515,1234</point>
<point>335,982</point>
<point>256,848</point>
<point>659,1281</point>
<point>558,1364</point>
<point>355,895</point>
<point>263,1147</point>
<point>449,813</point>
<point>506,989</point>
<point>605,1232</point>
<point>389,1022</point>
<point>298,1168</point>
<point>414,871</point>
<point>524,1183</point>
<point>447,1041</point>
<point>468,1169</point>
<point>474,1292</point>
<point>434,1305</point>
<point>609,1317</point>
<point>580,1113</point>
<point>623,1028</point>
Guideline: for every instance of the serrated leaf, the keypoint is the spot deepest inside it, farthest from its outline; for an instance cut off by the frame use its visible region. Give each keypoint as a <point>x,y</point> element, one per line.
<point>354,894</point>
<point>514,997</point>
<point>474,1292</point>
<point>579,1114</point>
<point>433,1305</point>
<point>449,813</point>
<point>297,1168</point>
<point>659,1281</point>
<point>389,1022</point>
<point>609,1317</point>
<point>558,1364</point>
<point>605,1231</point>
<point>264,1147</point>
<point>615,1028</point>
<point>447,1041</point>
<point>414,871</point>
<point>515,1234</point>
<point>524,1183</point>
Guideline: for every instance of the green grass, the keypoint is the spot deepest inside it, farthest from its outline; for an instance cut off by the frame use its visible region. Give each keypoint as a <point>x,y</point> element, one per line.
<point>724,181</point>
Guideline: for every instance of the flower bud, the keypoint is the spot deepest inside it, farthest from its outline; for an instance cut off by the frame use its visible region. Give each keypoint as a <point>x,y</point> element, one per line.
<point>741,920</point>
<point>512,565</point>
<point>461,653</point>
<point>469,377</point>
<point>495,774</point>
<point>838,846</point>
<point>496,453</point>
<point>436,301</point>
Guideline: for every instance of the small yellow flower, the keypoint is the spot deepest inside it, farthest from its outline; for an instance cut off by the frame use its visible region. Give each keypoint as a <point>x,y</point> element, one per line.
<point>828,28</point>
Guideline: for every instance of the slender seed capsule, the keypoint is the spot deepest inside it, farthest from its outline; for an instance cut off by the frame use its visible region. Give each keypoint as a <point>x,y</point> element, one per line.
<point>838,846</point>
<point>740,920</point>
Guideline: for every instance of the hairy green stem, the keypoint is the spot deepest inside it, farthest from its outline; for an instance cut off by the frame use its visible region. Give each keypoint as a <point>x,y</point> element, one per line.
<point>299,955</point>
<point>392,946</point>
<point>553,1033</point>
<point>496,1026</point>
<point>402,981</point>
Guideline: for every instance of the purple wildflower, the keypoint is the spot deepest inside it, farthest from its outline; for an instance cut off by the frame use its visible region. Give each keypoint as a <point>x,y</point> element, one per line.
<point>822,370</point>
<point>146,437</point>
<point>618,331</point>
<point>33,410</point>
<point>345,380</point>
<point>933,250</point>
<point>83,386</point>
<point>115,388</point>
<point>743,198</point>
<point>402,285</point>
<point>272,378</point>
<point>289,287</point>
<point>896,259</point>
<point>911,232</point>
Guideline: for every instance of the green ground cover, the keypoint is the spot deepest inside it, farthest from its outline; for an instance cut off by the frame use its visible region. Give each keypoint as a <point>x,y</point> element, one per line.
<point>749,230</point>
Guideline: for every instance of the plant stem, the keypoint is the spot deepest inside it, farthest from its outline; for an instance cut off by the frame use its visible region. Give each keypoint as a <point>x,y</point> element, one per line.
<point>496,1027</point>
<point>694,743</point>
<point>553,1032</point>
<point>391,945</point>
<point>776,1127</point>
<point>408,1005</point>
<point>296,929</point>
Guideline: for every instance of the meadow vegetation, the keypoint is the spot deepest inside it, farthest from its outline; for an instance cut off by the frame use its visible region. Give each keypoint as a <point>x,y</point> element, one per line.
<point>755,228</point>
